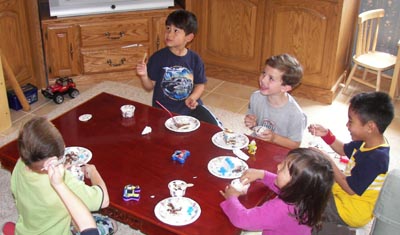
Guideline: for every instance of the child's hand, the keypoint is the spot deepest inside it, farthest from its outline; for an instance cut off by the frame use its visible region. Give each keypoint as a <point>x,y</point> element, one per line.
<point>56,174</point>
<point>267,135</point>
<point>250,120</point>
<point>88,170</point>
<point>141,67</point>
<point>251,175</point>
<point>230,192</point>
<point>317,130</point>
<point>191,103</point>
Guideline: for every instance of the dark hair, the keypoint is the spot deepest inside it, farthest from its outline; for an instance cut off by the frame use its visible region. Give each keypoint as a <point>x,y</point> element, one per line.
<point>184,20</point>
<point>310,185</point>
<point>39,139</point>
<point>373,106</point>
<point>290,66</point>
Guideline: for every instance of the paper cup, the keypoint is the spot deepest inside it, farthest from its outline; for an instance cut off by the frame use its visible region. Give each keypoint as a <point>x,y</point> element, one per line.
<point>127,110</point>
<point>177,188</point>
<point>239,186</point>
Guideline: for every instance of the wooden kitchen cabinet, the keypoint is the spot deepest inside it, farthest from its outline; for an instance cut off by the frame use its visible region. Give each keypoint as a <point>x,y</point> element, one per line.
<point>101,43</point>
<point>19,43</point>
<point>62,50</point>
<point>236,36</point>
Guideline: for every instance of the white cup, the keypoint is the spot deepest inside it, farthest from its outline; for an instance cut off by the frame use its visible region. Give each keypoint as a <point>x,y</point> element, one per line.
<point>127,110</point>
<point>239,186</point>
<point>177,188</point>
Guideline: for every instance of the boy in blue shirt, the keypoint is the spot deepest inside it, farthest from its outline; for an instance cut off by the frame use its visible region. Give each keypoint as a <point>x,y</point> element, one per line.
<point>176,74</point>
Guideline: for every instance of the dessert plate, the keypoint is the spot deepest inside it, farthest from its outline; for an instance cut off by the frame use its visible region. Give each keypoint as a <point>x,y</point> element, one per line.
<point>227,167</point>
<point>177,211</point>
<point>191,124</point>
<point>241,141</point>
<point>77,156</point>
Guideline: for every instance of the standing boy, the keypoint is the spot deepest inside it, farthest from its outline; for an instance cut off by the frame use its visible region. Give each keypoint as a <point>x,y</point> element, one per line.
<point>40,210</point>
<point>272,109</point>
<point>176,74</point>
<point>357,188</point>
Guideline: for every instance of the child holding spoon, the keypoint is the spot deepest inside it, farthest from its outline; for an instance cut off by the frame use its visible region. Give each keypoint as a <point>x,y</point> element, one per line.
<point>40,210</point>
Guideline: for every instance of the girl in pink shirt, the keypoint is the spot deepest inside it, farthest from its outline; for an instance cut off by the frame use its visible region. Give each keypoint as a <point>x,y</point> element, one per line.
<point>303,183</point>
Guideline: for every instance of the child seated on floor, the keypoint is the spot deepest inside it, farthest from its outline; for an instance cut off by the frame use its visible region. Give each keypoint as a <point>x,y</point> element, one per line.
<point>273,114</point>
<point>40,210</point>
<point>302,184</point>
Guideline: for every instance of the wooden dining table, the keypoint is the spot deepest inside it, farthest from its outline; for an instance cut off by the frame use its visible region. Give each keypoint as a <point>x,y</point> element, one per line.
<point>124,156</point>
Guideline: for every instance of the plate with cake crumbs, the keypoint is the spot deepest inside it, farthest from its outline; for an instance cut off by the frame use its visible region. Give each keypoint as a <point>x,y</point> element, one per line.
<point>227,167</point>
<point>182,123</point>
<point>77,156</point>
<point>240,141</point>
<point>177,211</point>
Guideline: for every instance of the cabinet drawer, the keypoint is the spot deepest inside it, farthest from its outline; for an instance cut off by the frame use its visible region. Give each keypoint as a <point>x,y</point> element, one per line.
<point>110,60</point>
<point>115,32</point>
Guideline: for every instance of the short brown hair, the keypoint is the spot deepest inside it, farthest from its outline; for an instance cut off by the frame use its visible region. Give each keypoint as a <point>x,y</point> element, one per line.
<point>289,65</point>
<point>39,139</point>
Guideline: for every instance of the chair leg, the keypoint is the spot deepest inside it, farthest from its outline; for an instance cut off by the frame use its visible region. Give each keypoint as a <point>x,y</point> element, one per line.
<point>378,81</point>
<point>365,74</point>
<point>353,70</point>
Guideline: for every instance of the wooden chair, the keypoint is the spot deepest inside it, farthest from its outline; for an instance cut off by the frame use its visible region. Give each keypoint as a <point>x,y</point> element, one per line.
<point>368,58</point>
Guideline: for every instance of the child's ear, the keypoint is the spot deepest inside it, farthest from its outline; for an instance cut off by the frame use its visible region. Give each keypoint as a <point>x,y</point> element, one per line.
<point>372,127</point>
<point>286,88</point>
<point>189,37</point>
<point>49,161</point>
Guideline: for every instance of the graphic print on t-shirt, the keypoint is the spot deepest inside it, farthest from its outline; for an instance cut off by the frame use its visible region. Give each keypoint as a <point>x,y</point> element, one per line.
<point>270,125</point>
<point>177,82</point>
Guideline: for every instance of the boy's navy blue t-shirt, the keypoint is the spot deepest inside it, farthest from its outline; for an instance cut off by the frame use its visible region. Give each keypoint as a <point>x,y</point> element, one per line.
<point>175,77</point>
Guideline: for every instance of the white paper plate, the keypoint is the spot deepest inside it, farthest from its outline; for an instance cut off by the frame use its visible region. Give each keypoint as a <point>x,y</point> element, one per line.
<point>227,167</point>
<point>192,122</point>
<point>177,211</point>
<point>80,155</point>
<point>241,141</point>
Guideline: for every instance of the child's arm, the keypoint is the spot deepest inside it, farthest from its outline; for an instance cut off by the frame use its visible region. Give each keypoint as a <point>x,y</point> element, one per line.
<point>270,136</point>
<point>328,137</point>
<point>141,70</point>
<point>95,178</point>
<point>340,178</point>
<point>79,212</point>
<point>191,101</point>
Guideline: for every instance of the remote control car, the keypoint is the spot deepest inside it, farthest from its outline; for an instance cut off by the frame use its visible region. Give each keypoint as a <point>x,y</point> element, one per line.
<point>59,89</point>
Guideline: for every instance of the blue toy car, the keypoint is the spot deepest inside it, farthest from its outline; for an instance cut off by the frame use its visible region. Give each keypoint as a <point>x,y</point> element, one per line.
<point>131,192</point>
<point>180,156</point>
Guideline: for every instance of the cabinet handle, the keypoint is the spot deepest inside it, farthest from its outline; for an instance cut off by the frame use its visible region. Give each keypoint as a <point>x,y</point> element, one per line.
<point>71,51</point>
<point>110,63</point>
<point>108,35</point>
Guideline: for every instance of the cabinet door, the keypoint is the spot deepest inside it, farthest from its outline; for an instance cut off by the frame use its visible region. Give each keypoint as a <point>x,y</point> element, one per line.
<point>158,34</point>
<point>231,32</point>
<point>307,30</point>
<point>14,41</point>
<point>62,50</point>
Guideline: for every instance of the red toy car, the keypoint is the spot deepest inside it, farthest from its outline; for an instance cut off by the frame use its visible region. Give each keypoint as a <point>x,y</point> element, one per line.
<point>62,86</point>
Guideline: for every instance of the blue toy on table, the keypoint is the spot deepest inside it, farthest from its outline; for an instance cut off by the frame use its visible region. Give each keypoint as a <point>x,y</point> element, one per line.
<point>180,156</point>
<point>131,192</point>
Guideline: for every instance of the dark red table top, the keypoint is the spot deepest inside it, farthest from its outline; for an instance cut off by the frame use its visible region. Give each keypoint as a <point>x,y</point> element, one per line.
<point>123,156</point>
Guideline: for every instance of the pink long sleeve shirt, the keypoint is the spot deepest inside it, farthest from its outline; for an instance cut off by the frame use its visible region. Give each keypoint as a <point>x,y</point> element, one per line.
<point>273,217</point>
